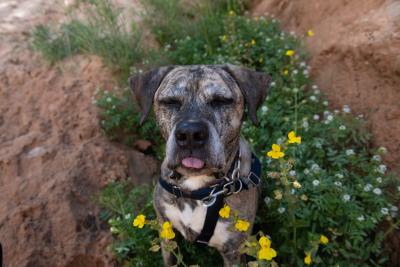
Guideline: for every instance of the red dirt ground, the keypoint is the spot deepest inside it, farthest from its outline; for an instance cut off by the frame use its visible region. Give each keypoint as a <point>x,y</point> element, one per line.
<point>54,158</point>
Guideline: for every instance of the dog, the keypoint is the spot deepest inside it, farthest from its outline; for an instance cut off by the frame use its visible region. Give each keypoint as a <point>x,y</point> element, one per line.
<point>199,110</point>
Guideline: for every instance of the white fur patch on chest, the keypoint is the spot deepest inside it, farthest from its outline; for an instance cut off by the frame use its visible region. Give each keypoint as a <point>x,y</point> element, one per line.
<point>196,182</point>
<point>186,218</point>
<point>194,219</point>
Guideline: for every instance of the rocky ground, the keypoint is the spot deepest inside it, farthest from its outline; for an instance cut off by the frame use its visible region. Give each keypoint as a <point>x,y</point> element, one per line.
<point>54,158</point>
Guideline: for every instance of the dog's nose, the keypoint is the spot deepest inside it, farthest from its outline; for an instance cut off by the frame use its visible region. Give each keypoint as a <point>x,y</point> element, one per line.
<point>191,134</point>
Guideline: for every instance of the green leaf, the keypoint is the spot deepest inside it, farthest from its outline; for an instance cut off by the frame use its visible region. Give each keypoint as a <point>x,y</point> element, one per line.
<point>155,248</point>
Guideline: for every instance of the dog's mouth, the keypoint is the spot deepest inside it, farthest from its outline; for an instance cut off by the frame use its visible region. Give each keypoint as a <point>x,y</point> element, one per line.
<point>192,163</point>
<point>194,166</point>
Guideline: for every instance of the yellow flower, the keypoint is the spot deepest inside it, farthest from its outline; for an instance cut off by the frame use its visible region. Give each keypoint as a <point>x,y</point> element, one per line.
<point>253,42</point>
<point>139,221</point>
<point>167,232</point>
<point>278,194</point>
<point>296,184</point>
<point>307,259</point>
<point>224,38</point>
<point>310,33</point>
<point>266,252</point>
<point>323,240</point>
<point>242,225</point>
<point>225,211</point>
<point>261,60</point>
<point>290,53</point>
<point>276,152</point>
<point>232,13</point>
<point>264,242</point>
<point>285,72</point>
<point>293,138</point>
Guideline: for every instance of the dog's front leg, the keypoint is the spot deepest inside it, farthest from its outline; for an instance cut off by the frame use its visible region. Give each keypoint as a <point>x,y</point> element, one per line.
<point>168,258</point>
<point>233,258</point>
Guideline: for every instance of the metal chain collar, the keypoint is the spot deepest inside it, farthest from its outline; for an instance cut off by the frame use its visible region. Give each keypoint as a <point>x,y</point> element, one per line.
<point>228,188</point>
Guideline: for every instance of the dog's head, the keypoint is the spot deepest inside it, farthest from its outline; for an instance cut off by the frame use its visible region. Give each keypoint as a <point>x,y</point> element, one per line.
<point>199,110</point>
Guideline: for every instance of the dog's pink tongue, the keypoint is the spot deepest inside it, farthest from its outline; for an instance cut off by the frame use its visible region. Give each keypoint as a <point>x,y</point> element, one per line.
<point>194,163</point>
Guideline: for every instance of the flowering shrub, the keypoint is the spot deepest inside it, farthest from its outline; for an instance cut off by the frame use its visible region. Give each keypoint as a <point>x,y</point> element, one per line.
<point>325,189</point>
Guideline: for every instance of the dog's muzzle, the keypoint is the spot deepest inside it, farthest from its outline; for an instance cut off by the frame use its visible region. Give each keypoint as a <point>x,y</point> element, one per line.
<point>191,134</point>
<point>192,137</point>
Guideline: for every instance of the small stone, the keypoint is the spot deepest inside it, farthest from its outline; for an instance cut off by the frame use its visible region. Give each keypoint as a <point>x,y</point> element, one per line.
<point>142,145</point>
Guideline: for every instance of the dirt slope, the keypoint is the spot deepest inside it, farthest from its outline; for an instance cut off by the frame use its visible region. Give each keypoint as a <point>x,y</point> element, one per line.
<point>53,156</point>
<point>354,56</point>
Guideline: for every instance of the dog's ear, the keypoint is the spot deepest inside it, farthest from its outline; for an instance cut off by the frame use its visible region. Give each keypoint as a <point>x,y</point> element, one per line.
<point>144,87</point>
<point>254,86</point>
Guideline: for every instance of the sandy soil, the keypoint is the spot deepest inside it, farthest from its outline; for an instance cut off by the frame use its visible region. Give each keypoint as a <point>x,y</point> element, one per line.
<point>53,157</point>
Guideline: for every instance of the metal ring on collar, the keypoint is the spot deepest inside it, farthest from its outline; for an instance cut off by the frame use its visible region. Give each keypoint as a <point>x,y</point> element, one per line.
<point>227,187</point>
<point>211,198</point>
<point>240,188</point>
<point>209,201</point>
<point>235,174</point>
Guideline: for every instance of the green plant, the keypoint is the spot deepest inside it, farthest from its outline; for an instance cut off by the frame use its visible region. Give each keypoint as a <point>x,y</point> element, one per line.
<point>102,33</point>
<point>121,201</point>
<point>172,20</point>
<point>120,120</point>
<point>332,184</point>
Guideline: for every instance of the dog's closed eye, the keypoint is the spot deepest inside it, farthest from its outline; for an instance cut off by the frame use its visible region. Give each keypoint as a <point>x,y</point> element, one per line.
<point>220,101</point>
<point>174,103</point>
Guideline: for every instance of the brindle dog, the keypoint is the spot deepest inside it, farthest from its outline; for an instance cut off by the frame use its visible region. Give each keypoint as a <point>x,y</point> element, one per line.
<point>200,110</point>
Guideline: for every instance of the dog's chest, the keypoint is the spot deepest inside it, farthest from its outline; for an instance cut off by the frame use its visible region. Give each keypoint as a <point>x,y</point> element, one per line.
<point>188,219</point>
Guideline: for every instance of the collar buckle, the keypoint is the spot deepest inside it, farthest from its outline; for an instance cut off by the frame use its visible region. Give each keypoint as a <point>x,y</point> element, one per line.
<point>253,175</point>
<point>176,190</point>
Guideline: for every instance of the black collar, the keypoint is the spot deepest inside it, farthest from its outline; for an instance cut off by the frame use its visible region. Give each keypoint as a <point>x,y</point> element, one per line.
<point>227,186</point>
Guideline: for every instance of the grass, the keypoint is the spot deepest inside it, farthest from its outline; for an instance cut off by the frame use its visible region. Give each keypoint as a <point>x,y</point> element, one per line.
<point>103,33</point>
